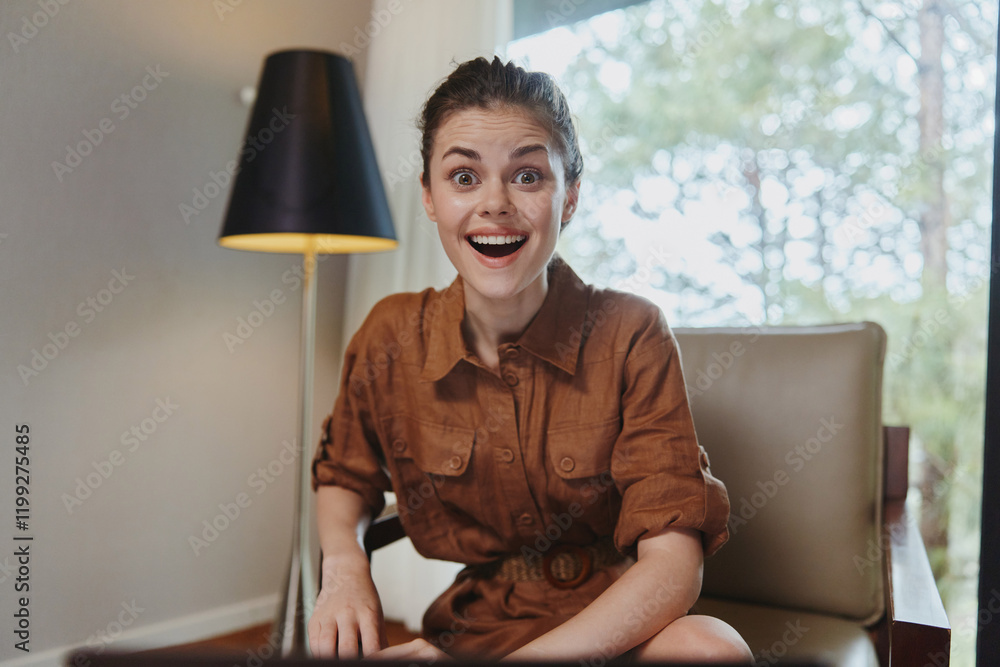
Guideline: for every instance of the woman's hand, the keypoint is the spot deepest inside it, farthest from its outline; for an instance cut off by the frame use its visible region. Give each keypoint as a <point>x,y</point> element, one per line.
<point>347,622</point>
<point>417,650</point>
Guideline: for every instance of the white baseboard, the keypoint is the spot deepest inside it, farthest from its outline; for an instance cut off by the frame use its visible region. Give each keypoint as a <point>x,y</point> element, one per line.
<point>190,628</point>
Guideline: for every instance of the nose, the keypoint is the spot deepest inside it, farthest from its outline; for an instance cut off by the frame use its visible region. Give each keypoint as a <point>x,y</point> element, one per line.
<point>496,200</point>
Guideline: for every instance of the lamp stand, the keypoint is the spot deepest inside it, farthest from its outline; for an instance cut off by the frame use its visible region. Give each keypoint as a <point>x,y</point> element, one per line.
<point>299,595</point>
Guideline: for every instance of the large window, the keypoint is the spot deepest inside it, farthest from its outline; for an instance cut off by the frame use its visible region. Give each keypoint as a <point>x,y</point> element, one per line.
<point>803,162</point>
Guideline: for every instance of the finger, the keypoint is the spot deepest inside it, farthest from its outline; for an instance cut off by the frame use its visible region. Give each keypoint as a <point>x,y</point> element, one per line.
<point>431,653</point>
<point>413,650</point>
<point>383,639</point>
<point>322,639</point>
<point>372,636</point>
<point>347,640</point>
<point>398,652</point>
<point>312,631</point>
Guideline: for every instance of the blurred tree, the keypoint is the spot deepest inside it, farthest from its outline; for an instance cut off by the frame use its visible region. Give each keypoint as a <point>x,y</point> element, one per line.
<point>834,161</point>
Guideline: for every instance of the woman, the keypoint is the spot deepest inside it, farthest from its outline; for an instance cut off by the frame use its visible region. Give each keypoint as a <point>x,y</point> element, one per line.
<point>531,426</point>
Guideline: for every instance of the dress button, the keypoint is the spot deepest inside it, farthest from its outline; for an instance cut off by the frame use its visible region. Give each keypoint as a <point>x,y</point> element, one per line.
<point>398,445</point>
<point>567,464</point>
<point>455,462</point>
<point>511,352</point>
<point>510,379</point>
<point>525,519</point>
<point>506,455</point>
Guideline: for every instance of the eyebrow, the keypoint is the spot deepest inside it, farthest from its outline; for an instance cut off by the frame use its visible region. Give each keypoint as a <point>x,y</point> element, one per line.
<point>464,152</point>
<point>514,154</point>
<point>524,150</point>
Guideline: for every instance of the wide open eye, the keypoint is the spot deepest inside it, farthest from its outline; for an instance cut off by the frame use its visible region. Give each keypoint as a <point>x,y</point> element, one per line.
<point>463,178</point>
<point>527,178</point>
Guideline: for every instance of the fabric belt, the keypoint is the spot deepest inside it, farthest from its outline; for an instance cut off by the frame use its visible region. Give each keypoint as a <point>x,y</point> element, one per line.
<point>563,565</point>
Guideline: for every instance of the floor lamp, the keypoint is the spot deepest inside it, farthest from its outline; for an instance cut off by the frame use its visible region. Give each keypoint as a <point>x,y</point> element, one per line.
<point>308,184</point>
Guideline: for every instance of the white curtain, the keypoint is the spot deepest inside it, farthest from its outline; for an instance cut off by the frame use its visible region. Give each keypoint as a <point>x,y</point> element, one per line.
<point>415,48</point>
<point>414,51</point>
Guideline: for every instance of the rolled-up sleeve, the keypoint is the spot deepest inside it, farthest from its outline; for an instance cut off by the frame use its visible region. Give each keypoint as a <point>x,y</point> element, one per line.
<point>660,469</point>
<point>348,454</point>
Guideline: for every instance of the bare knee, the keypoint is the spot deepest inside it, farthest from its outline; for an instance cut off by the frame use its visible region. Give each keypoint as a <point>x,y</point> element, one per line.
<point>696,638</point>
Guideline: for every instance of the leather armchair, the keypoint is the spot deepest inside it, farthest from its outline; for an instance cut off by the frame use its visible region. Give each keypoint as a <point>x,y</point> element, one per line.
<point>824,561</point>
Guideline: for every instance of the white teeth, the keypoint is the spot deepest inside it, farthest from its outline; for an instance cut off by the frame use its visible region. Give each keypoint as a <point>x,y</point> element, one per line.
<point>497,240</point>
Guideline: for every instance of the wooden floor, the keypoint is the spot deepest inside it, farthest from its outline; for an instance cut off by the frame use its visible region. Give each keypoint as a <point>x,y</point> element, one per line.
<point>258,637</point>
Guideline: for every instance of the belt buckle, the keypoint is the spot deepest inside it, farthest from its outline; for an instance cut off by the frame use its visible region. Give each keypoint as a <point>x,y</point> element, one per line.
<point>586,566</point>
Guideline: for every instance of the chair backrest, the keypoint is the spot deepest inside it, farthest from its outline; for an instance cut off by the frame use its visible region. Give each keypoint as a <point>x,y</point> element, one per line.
<point>791,420</point>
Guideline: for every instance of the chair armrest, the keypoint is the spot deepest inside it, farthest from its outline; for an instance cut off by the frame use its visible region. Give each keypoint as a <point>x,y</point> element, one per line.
<point>915,630</point>
<point>384,530</point>
<point>919,631</point>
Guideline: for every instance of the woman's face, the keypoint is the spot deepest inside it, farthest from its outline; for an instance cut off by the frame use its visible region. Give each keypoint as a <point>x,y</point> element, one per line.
<point>496,189</point>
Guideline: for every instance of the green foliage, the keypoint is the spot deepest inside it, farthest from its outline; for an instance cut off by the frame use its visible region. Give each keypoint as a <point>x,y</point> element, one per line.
<point>777,151</point>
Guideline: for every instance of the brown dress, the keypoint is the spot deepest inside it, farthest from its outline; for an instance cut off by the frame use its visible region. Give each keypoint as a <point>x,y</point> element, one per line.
<point>584,433</point>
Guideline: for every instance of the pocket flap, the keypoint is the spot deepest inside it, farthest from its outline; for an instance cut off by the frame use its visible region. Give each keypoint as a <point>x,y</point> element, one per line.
<point>437,449</point>
<point>583,451</point>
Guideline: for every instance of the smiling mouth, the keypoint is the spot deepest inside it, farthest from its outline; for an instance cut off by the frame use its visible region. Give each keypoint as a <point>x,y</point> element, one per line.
<point>497,246</point>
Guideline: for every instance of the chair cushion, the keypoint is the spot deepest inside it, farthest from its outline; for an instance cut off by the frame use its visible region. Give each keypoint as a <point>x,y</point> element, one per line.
<point>791,420</point>
<point>774,634</point>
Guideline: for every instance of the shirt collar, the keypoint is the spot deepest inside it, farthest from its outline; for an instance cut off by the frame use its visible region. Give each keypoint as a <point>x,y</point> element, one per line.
<point>445,343</point>
<point>555,334</point>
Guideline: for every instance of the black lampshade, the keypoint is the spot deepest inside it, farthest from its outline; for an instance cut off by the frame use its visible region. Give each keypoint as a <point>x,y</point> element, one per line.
<point>307,171</point>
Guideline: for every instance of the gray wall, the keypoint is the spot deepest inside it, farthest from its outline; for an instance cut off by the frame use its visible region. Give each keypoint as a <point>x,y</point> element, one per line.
<point>130,303</point>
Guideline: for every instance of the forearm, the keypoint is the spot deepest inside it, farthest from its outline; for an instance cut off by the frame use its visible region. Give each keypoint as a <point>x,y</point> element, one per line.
<point>342,518</point>
<point>661,587</point>
<point>348,615</point>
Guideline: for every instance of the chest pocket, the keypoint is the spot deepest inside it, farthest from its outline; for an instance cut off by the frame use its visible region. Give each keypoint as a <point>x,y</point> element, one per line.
<point>583,451</point>
<point>430,466</point>
<point>580,461</point>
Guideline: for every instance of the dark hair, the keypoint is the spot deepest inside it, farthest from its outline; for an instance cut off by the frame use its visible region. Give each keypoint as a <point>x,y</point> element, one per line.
<point>481,84</point>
